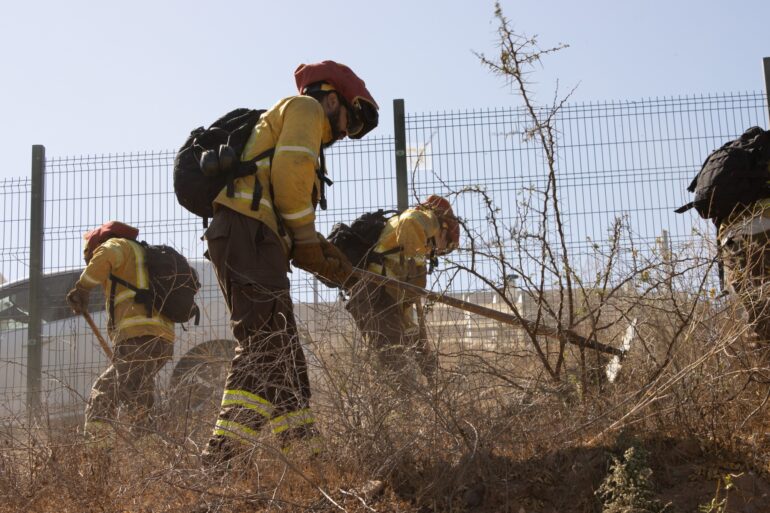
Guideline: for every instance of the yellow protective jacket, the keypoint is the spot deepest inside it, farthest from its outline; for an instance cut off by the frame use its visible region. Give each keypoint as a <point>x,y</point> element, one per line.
<point>295,127</point>
<point>125,259</point>
<point>414,232</point>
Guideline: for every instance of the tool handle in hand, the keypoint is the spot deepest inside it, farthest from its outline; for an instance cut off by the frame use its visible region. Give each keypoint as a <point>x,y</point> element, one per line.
<point>98,334</point>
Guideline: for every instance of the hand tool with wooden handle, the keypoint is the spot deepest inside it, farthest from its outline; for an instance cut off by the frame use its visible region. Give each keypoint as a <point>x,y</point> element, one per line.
<point>98,334</point>
<point>546,331</point>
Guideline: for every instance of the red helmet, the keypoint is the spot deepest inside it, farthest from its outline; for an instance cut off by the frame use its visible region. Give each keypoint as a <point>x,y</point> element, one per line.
<point>440,205</point>
<point>108,230</point>
<point>352,89</point>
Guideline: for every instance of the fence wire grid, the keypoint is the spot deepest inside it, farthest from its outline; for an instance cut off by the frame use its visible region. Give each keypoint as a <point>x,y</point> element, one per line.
<point>629,159</point>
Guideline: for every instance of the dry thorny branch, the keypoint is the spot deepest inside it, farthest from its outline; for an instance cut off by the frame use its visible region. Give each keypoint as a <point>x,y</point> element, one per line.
<point>597,294</point>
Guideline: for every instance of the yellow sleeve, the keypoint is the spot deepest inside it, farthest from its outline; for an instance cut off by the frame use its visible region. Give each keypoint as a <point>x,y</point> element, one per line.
<point>106,257</point>
<point>293,171</point>
<point>412,233</point>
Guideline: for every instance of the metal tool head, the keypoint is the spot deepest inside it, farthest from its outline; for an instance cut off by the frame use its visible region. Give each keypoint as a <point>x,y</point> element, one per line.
<point>613,368</point>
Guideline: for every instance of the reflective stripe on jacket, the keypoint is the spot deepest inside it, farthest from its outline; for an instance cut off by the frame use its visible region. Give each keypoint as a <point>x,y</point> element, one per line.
<point>125,259</point>
<point>295,127</point>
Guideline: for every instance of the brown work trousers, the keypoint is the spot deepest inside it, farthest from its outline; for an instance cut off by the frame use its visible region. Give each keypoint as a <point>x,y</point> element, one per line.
<point>745,252</point>
<point>269,362</point>
<point>380,319</point>
<point>129,380</point>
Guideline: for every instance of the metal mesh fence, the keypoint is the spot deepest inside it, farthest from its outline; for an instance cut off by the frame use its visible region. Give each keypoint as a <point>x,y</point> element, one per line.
<point>14,259</point>
<point>632,160</point>
<point>628,159</point>
<point>14,252</point>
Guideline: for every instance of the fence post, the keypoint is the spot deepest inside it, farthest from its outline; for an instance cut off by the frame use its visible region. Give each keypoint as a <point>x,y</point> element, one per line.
<point>34,329</point>
<point>766,63</point>
<point>399,131</point>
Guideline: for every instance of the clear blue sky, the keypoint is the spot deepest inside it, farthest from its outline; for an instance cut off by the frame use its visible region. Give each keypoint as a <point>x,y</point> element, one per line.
<point>98,77</point>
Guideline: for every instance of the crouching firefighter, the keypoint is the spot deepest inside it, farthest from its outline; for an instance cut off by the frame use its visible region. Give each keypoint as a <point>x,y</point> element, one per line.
<point>142,336</point>
<point>267,220</point>
<point>405,248</point>
<point>732,189</point>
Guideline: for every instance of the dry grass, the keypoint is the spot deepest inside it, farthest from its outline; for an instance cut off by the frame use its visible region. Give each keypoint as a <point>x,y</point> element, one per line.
<point>491,434</point>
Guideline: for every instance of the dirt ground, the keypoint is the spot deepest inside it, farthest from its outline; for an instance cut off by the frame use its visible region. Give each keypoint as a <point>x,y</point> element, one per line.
<point>684,476</point>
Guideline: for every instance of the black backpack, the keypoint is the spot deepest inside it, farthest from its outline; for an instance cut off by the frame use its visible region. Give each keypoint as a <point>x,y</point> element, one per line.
<point>173,284</point>
<point>357,241</point>
<point>734,175</point>
<point>223,140</point>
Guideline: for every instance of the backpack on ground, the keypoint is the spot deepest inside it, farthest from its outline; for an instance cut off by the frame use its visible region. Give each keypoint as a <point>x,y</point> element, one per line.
<point>734,175</point>
<point>210,159</point>
<point>173,284</point>
<point>357,241</point>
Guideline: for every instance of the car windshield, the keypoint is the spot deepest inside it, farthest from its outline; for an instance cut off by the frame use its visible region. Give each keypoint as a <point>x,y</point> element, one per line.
<point>14,300</point>
<point>11,316</point>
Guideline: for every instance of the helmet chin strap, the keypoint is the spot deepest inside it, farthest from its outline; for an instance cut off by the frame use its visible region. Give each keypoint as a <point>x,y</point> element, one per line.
<point>334,121</point>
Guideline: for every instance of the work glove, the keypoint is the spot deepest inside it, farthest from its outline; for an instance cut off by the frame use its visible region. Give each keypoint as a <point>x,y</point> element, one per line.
<point>78,299</point>
<point>331,251</point>
<point>311,258</point>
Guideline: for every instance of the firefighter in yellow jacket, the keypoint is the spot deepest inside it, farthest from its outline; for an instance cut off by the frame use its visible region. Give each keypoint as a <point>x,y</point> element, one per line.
<point>142,343</point>
<point>744,242</point>
<point>403,251</point>
<point>251,240</point>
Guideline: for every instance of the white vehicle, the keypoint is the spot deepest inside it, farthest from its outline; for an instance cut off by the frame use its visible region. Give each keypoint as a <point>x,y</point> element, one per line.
<point>72,358</point>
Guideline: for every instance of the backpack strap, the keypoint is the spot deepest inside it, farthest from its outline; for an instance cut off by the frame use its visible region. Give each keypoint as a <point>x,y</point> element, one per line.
<point>257,193</point>
<point>230,184</point>
<point>720,266</point>
<point>390,251</point>
<point>245,169</point>
<point>142,296</point>
<point>393,213</point>
<point>278,218</point>
<point>432,258</point>
<point>378,257</point>
<point>321,173</point>
<point>197,314</point>
<point>111,312</point>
